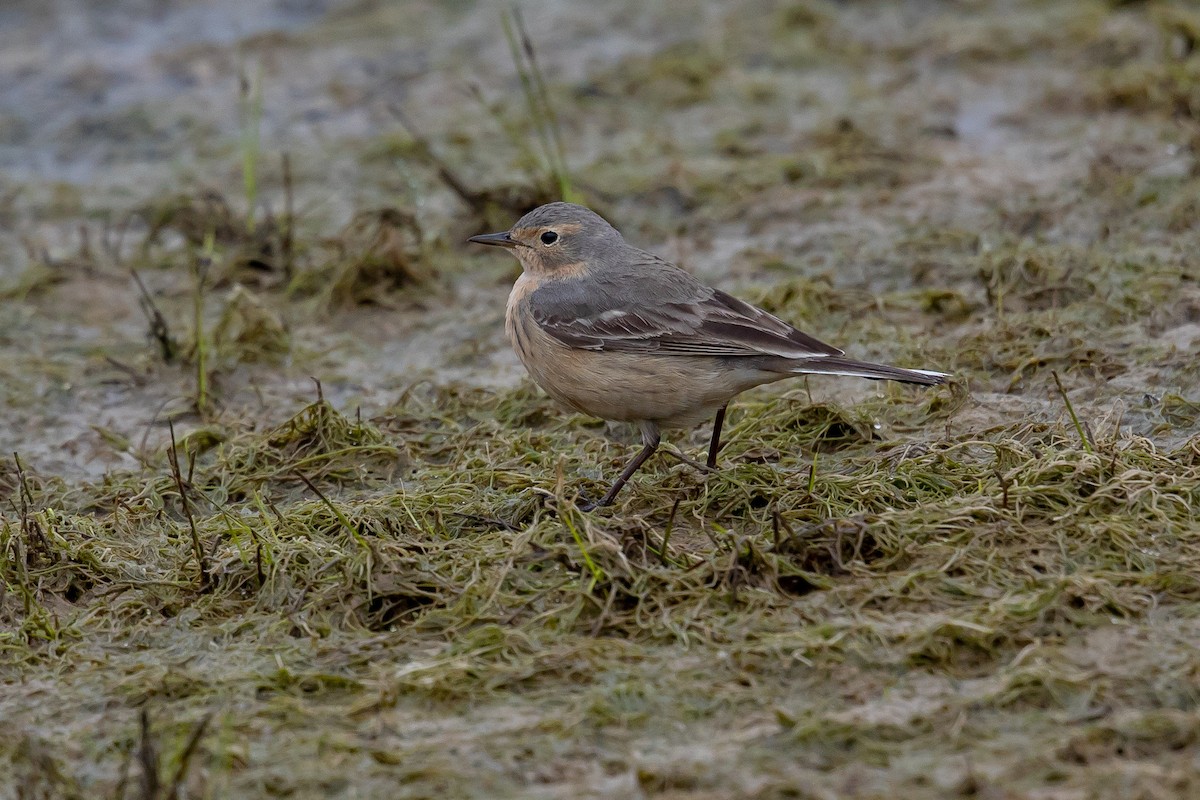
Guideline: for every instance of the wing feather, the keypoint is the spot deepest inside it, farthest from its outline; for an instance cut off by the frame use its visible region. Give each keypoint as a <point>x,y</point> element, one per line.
<point>671,313</point>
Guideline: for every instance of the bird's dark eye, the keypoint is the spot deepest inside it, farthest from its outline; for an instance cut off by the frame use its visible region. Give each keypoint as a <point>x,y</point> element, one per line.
<point>549,237</point>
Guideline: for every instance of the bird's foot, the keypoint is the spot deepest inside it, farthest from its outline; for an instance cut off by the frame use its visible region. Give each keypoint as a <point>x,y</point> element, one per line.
<point>585,504</point>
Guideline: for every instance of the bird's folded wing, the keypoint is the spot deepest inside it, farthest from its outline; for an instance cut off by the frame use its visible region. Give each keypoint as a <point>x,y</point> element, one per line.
<point>711,323</point>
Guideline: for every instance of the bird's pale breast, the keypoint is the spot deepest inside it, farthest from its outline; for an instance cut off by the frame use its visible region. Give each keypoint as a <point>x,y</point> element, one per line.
<point>671,390</point>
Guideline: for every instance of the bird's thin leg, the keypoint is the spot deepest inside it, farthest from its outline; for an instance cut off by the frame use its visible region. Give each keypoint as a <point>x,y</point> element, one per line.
<point>651,438</point>
<point>715,445</point>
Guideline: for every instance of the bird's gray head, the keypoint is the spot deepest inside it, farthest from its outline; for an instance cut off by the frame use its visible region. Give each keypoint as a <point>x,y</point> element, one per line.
<point>557,239</point>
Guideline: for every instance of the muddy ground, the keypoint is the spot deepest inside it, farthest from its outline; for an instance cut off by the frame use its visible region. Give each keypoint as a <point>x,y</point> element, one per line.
<point>281,515</point>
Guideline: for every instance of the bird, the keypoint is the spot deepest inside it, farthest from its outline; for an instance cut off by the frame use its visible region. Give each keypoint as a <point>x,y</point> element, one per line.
<point>613,331</point>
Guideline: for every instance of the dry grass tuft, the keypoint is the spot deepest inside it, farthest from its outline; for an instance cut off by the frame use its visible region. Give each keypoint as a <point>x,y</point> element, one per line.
<point>378,254</point>
<point>255,254</point>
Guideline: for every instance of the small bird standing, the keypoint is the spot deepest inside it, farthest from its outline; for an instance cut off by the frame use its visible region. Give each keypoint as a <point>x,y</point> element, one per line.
<point>618,333</point>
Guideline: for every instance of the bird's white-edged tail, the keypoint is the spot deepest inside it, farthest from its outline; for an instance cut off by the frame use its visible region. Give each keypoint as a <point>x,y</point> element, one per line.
<point>836,365</point>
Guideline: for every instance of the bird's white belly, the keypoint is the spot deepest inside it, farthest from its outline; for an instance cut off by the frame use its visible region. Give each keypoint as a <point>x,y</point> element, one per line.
<point>672,391</point>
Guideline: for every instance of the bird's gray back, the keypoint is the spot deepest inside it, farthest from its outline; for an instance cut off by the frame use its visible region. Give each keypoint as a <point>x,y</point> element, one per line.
<point>620,278</point>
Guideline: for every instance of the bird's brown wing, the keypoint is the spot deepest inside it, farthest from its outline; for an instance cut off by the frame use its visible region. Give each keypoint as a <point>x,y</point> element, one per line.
<point>659,308</point>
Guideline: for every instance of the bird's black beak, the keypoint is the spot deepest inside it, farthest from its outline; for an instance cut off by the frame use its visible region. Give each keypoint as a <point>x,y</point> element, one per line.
<point>497,239</point>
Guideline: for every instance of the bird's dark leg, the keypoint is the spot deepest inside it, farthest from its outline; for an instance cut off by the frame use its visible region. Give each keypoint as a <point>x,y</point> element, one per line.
<point>715,445</point>
<point>651,439</point>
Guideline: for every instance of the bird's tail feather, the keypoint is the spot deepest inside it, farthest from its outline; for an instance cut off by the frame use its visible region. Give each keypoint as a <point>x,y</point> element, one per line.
<point>835,365</point>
